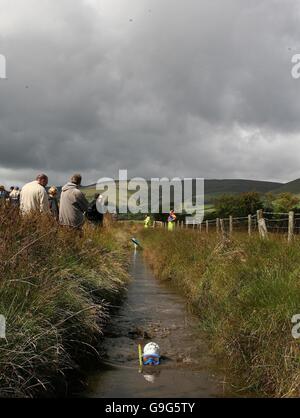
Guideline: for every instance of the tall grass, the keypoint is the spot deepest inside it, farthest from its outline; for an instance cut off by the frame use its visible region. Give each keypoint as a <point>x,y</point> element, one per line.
<point>245,291</point>
<point>55,290</point>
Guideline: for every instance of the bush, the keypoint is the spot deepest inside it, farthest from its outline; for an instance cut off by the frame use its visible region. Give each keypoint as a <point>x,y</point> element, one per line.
<point>240,205</point>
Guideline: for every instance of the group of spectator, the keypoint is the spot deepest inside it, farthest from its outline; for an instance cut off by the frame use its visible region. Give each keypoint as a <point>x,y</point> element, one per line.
<point>69,210</point>
<point>12,197</point>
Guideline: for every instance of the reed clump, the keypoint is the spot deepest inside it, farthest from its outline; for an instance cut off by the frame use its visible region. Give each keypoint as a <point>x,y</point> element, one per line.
<point>56,289</point>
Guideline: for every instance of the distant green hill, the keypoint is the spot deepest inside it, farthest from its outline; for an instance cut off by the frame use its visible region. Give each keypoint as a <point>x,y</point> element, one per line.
<point>215,188</point>
<point>239,186</point>
<point>291,187</point>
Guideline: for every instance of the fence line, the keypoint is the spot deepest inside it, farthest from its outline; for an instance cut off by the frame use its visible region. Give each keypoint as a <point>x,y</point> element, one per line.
<point>251,223</point>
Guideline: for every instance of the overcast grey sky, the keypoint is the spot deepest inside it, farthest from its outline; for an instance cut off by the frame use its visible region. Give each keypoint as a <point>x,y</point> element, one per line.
<point>159,87</point>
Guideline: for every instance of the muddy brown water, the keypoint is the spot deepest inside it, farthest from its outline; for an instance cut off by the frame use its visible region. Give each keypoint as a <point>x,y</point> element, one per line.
<point>154,312</point>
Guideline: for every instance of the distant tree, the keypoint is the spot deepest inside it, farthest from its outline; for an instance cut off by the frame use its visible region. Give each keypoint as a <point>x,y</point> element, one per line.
<point>238,205</point>
<point>268,202</point>
<point>285,202</point>
<point>212,214</point>
<point>250,203</point>
<point>226,205</point>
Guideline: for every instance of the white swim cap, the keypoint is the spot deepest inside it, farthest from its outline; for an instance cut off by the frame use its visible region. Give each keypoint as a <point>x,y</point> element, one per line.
<point>151,349</point>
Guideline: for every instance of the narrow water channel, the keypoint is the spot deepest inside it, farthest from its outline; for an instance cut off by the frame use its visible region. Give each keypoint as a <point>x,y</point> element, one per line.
<point>154,312</point>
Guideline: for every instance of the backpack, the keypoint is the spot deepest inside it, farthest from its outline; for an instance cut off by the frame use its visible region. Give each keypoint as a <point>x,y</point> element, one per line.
<point>92,213</point>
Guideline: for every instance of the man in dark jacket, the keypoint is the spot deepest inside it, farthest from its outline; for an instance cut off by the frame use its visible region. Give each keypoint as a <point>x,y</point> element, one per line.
<point>73,204</point>
<point>93,215</point>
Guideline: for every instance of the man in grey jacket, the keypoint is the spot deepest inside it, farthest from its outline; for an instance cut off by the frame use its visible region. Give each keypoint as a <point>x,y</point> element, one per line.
<point>73,204</point>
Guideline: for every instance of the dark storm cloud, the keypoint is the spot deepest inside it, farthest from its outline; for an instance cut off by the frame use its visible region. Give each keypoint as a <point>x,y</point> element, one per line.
<point>185,88</point>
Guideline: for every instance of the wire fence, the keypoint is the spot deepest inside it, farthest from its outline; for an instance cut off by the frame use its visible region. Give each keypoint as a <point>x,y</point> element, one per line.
<point>261,222</point>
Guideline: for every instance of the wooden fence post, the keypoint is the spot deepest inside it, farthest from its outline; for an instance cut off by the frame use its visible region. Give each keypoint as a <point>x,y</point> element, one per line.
<point>207,227</point>
<point>222,227</point>
<point>262,227</point>
<point>249,224</point>
<point>218,225</point>
<point>291,226</point>
<point>230,225</point>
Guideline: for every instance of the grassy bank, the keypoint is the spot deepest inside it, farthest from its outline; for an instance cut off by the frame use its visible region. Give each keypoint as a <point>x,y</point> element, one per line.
<point>55,292</point>
<point>245,292</point>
